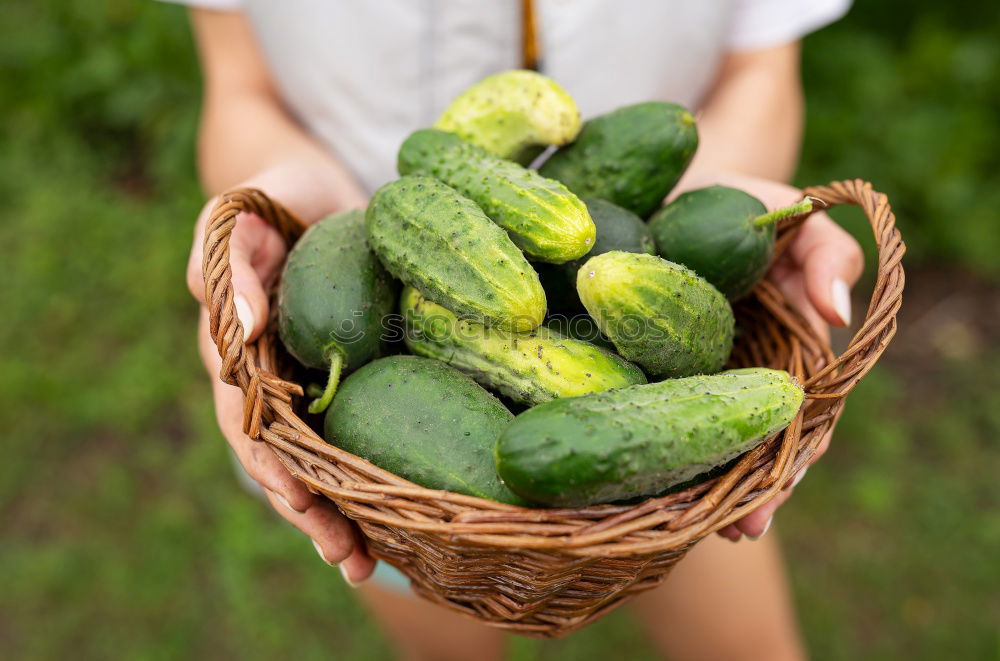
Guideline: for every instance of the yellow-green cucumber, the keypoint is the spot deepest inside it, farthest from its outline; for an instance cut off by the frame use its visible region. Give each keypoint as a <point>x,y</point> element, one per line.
<point>541,216</point>
<point>513,114</point>
<point>530,368</point>
<point>660,315</point>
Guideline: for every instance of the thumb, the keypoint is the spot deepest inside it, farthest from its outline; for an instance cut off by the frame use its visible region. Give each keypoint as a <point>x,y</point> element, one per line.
<point>249,299</point>
<point>256,252</point>
<point>831,262</point>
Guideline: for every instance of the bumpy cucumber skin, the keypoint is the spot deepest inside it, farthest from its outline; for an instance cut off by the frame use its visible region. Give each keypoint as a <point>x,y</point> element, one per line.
<point>641,440</point>
<point>542,217</point>
<point>424,421</point>
<point>660,315</point>
<point>431,237</point>
<point>631,156</point>
<point>334,294</point>
<point>529,368</point>
<point>711,231</point>
<point>513,114</point>
<point>617,229</point>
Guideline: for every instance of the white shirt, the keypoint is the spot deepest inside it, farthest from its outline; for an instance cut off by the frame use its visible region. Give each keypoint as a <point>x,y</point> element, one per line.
<point>360,75</point>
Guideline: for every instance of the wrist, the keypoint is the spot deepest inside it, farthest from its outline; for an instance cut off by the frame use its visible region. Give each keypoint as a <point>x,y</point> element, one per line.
<point>773,194</point>
<point>309,189</point>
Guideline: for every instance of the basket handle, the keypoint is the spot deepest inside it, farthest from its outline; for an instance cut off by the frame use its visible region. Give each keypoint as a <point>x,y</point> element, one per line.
<point>238,364</point>
<point>842,374</point>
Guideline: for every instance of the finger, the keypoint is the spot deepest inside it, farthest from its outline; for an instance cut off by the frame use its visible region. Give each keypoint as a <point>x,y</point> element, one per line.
<point>755,524</point>
<point>333,535</point>
<point>314,516</point>
<point>832,262</point>
<point>823,446</point>
<point>731,533</point>
<point>791,282</point>
<point>194,275</point>
<point>256,252</point>
<point>256,457</point>
<point>359,565</point>
<point>792,483</point>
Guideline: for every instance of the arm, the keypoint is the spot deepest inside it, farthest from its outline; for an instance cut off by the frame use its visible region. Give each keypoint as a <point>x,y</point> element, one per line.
<point>248,138</point>
<point>751,121</point>
<point>245,130</point>
<point>750,130</point>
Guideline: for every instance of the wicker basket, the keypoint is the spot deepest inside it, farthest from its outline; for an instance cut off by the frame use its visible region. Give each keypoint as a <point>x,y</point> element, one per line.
<point>545,573</point>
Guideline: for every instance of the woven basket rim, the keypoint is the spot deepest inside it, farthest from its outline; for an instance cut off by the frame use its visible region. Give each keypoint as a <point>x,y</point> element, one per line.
<point>367,493</point>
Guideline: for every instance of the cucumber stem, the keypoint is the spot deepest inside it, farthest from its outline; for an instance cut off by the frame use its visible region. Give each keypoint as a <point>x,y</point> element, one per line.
<point>319,404</point>
<point>763,220</point>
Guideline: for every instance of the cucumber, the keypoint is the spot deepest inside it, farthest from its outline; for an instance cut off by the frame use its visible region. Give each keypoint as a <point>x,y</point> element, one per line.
<point>513,114</point>
<point>617,229</point>
<point>541,216</point>
<point>658,314</point>
<point>431,237</point>
<point>641,440</point>
<point>424,421</point>
<point>725,235</point>
<point>631,156</point>
<point>529,368</point>
<point>332,299</point>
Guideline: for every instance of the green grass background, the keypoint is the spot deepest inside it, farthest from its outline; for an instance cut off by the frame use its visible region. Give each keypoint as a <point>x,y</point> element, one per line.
<point>124,534</point>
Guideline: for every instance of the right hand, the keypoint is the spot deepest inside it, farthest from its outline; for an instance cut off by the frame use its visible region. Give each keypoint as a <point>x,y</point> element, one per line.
<point>256,253</point>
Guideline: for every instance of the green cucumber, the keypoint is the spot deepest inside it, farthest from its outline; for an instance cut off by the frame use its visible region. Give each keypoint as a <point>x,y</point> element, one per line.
<point>332,299</point>
<point>431,237</point>
<point>641,440</point>
<point>529,368</point>
<point>725,235</point>
<point>617,229</point>
<point>424,421</point>
<point>513,114</point>
<point>631,156</point>
<point>660,315</point>
<point>541,216</point>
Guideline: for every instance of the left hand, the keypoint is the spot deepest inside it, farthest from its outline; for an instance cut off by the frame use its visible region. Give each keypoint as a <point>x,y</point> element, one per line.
<point>816,274</point>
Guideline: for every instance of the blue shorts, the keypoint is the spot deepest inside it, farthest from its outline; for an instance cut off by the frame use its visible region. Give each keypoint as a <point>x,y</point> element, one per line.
<point>388,576</point>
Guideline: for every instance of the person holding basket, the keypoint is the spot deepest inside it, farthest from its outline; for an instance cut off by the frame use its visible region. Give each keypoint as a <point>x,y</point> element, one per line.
<point>309,101</point>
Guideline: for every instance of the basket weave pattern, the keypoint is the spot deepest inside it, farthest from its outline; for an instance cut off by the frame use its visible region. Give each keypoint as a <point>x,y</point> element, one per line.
<point>548,572</point>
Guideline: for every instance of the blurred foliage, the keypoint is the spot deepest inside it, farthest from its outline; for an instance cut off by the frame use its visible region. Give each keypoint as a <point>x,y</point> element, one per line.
<point>125,535</point>
<point>907,96</point>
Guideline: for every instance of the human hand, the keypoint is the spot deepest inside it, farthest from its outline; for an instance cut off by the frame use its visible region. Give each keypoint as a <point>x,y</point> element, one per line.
<point>256,252</point>
<point>816,274</point>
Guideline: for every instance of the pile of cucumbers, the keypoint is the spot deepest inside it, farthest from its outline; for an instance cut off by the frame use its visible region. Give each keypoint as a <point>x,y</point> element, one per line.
<point>471,254</point>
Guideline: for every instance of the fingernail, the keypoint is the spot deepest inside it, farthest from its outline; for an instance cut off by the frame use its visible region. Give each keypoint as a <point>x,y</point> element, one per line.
<point>347,579</point>
<point>284,501</point>
<point>763,532</point>
<point>798,477</point>
<point>244,314</point>
<point>323,557</point>
<point>840,293</point>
